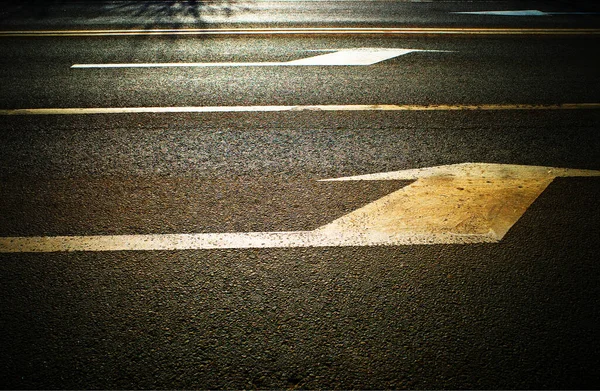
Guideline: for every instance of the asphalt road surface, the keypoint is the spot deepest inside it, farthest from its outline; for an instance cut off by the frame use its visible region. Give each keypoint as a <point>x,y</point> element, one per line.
<point>189,144</point>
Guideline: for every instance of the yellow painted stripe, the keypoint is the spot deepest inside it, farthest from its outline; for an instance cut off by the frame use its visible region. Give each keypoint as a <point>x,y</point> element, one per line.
<point>243,109</point>
<point>307,30</point>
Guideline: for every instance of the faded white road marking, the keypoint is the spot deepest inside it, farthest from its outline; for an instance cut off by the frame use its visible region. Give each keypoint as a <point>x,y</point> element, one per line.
<point>477,200</point>
<point>524,13</point>
<point>339,57</point>
<point>245,109</point>
<point>305,31</point>
<point>462,203</point>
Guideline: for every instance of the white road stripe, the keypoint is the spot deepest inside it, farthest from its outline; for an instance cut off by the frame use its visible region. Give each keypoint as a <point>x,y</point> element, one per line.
<point>212,241</point>
<point>179,65</point>
<point>304,31</point>
<point>339,57</point>
<point>523,13</point>
<point>244,109</point>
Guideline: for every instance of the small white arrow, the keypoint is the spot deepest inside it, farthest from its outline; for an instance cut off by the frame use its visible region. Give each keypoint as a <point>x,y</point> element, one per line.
<point>462,203</point>
<point>345,57</point>
<point>524,13</point>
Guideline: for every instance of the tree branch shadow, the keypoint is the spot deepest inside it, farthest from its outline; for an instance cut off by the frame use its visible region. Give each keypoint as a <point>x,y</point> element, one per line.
<point>149,14</point>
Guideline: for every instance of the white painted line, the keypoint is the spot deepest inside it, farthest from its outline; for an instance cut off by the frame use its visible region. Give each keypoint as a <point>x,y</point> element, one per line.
<point>177,65</point>
<point>358,56</point>
<point>223,241</point>
<point>249,109</point>
<point>524,13</point>
<point>505,13</point>
<point>303,31</point>
<point>573,13</point>
<point>339,57</point>
<point>456,204</point>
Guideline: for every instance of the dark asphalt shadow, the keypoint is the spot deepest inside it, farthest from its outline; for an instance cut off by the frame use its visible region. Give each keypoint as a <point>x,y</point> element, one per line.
<point>181,12</point>
<point>130,13</point>
<point>126,14</point>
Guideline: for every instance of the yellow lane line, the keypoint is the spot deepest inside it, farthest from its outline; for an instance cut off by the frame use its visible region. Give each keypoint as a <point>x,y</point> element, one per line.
<point>244,109</point>
<point>306,30</point>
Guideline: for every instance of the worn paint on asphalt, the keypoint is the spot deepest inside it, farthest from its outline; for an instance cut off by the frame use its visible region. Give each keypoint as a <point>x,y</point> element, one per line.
<point>523,13</point>
<point>245,109</point>
<point>455,204</point>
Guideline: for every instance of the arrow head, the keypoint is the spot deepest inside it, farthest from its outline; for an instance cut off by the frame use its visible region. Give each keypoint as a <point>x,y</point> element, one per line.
<point>458,203</point>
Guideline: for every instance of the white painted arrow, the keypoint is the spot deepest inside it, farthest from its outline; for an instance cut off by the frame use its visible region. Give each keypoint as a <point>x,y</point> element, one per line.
<point>462,203</point>
<point>524,13</point>
<point>346,57</point>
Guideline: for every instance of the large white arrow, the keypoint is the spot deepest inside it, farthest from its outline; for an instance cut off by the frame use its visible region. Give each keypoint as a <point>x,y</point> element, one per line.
<point>348,57</point>
<point>462,203</point>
